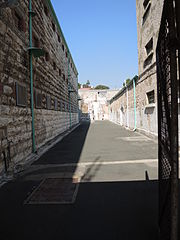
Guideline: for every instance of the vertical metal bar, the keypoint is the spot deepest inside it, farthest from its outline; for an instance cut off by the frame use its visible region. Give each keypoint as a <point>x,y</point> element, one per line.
<point>174,129</point>
<point>31,76</point>
<point>69,93</point>
<point>77,100</point>
<point>127,102</point>
<point>134,88</point>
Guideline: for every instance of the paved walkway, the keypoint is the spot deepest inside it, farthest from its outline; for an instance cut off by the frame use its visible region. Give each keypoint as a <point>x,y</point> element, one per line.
<point>117,196</point>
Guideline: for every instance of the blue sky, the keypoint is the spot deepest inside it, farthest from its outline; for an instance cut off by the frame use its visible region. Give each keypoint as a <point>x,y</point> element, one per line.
<point>102,38</point>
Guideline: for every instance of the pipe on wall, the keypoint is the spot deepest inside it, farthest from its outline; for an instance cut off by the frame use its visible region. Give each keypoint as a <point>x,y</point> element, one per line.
<point>69,92</point>
<point>31,76</point>
<point>135,114</point>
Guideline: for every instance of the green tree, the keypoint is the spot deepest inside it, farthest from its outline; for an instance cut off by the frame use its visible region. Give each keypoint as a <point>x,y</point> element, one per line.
<point>79,85</point>
<point>87,84</point>
<point>101,87</point>
<point>126,82</point>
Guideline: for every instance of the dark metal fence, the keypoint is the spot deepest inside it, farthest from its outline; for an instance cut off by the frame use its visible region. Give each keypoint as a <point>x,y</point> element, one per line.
<point>168,75</point>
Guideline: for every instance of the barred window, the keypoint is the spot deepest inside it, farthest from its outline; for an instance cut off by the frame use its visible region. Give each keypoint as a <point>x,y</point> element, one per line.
<point>146,14</point>
<point>19,21</point>
<point>148,60</point>
<point>21,95</point>
<point>60,106</point>
<point>46,10</point>
<point>149,46</point>
<point>36,42</point>
<point>59,39</point>
<point>56,104</point>
<point>47,57</point>
<point>54,65</point>
<point>48,102</point>
<point>145,3</point>
<point>38,99</point>
<point>53,27</point>
<point>151,97</point>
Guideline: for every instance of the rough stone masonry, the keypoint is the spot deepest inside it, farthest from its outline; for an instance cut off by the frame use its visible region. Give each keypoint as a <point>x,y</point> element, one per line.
<point>53,75</point>
<point>122,108</point>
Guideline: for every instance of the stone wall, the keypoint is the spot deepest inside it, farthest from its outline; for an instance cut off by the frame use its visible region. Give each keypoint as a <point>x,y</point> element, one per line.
<point>122,108</point>
<point>53,74</point>
<point>149,14</point>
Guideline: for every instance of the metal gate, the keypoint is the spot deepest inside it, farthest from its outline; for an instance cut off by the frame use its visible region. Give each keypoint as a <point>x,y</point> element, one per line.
<point>168,88</point>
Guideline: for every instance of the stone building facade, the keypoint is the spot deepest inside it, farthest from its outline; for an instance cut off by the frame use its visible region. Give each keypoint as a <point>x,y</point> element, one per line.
<point>149,14</point>
<point>54,80</point>
<point>95,103</point>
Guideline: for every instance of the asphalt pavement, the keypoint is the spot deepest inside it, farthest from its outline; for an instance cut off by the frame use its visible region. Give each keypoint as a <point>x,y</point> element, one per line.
<point>117,197</point>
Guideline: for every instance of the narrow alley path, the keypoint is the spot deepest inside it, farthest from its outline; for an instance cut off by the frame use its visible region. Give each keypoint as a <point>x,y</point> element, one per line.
<point>116,197</point>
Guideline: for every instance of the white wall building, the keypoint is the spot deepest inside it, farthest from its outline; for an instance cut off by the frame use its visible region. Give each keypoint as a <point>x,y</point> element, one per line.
<point>95,102</point>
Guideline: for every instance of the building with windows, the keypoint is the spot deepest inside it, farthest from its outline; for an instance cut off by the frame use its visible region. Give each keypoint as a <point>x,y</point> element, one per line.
<point>136,105</point>
<point>38,80</point>
<point>94,103</point>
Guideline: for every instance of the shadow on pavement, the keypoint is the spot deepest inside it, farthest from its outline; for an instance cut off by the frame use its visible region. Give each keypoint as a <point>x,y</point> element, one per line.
<point>67,150</point>
<point>103,210</point>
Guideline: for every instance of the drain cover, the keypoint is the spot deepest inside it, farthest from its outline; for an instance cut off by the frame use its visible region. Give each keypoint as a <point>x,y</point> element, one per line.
<point>54,191</point>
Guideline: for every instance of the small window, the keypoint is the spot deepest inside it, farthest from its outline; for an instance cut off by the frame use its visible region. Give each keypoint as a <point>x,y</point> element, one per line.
<point>148,60</point>
<point>60,106</point>
<point>54,65</point>
<point>64,77</point>
<point>59,39</point>
<point>19,22</point>
<point>36,42</point>
<point>48,102</point>
<point>53,27</point>
<point>46,10</point>
<point>145,3</point>
<point>146,14</point>
<point>60,72</point>
<point>151,97</point>
<point>55,104</point>
<point>66,54</point>
<point>21,95</point>
<point>63,47</point>
<point>47,57</point>
<point>1,88</point>
<point>149,46</point>
<point>38,99</point>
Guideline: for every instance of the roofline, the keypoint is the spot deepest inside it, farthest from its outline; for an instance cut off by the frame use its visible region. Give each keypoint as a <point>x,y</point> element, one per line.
<point>97,90</point>
<point>59,27</point>
<point>123,89</point>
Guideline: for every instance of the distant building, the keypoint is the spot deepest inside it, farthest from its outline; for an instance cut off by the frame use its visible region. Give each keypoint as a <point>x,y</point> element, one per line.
<point>95,102</point>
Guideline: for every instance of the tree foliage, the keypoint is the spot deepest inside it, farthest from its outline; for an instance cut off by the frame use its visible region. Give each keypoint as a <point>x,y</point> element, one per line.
<point>101,87</point>
<point>87,85</point>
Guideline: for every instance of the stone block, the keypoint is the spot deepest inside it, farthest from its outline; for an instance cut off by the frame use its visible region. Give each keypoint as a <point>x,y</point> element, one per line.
<point>7,90</point>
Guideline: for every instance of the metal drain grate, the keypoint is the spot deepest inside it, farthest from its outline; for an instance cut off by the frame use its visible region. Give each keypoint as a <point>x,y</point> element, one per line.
<point>54,191</point>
